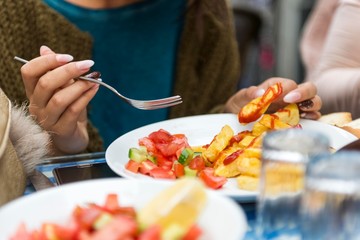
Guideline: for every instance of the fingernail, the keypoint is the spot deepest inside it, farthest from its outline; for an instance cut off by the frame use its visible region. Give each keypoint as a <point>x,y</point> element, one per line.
<point>307,104</point>
<point>64,58</point>
<point>303,115</point>
<point>292,97</point>
<point>94,74</point>
<point>259,92</point>
<point>44,48</point>
<point>86,64</point>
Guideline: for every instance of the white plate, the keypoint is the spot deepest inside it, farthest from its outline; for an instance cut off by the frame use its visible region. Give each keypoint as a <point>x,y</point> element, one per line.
<point>200,130</point>
<point>56,204</point>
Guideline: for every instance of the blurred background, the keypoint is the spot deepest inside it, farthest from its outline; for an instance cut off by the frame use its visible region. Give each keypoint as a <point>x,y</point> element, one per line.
<point>268,34</point>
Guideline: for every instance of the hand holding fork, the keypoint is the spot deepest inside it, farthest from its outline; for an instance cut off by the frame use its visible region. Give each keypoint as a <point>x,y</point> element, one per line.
<point>58,100</point>
<point>140,104</point>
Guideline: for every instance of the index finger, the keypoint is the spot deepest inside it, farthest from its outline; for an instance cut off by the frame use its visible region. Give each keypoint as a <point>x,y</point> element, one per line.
<point>303,92</point>
<point>37,67</point>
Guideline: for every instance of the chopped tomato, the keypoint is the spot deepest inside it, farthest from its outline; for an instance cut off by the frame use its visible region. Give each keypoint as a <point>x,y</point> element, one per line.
<point>151,233</point>
<point>163,162</point>
<point>121,227</point>
<point>148,143</point>
<point>128,211</point>
<point>146,166</point>
<point>55,231</point>
<point>169,149</point>
<point>212,181</point>
<point>193,233</point>
<point>22,233</point>
<point>161,136</point>
<point>178,169</point>
<point>112,202</point>
<point>133,166</point>
<point>197,163</point>
<point>85,217</point>
<point>162,173</point>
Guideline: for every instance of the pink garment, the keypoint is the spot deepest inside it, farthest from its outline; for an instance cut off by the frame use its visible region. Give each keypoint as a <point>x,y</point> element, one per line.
<point>331,53</point>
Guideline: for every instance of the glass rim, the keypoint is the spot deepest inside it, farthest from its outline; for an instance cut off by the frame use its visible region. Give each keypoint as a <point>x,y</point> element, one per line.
<point>344,164</point>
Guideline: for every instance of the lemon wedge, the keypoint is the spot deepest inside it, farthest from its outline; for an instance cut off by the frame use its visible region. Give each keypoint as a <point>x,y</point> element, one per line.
<point>175,209</point>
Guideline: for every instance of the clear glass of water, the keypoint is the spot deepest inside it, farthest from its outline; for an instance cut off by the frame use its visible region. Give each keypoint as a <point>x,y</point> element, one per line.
<point>330,206</point>
<point>285,155</point>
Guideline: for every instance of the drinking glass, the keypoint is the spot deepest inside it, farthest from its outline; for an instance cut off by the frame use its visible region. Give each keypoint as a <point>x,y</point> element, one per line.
<point>330,206</point>
<point>284,157</point>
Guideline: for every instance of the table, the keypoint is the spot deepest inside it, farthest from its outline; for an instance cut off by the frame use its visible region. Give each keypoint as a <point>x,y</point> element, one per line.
<point>45,179</point>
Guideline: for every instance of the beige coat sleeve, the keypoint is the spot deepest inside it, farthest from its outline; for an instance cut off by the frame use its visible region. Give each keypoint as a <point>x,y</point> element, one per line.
<point>12,174</point>
<point>23,145</point>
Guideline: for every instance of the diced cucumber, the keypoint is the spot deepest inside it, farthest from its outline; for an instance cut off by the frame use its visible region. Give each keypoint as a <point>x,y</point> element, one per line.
<point>190,172</point>
<point>138,154</point>
<point>186,156</point>
<point>152,158</point>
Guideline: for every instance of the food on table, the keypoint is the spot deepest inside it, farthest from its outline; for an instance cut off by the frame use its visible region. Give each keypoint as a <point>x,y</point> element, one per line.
<point>343,120</point>
<point>172,214</point>
<point>337,119</point>
<point>228,155</point>
<point>242,158</point>
<point>257,107</point>
<point>175,209</point>
<point>169,156</point>
<point>220,141</point>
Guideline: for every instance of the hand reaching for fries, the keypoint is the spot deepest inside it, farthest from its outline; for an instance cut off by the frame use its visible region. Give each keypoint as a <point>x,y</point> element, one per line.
<point>304,95</point>
<point>239,154</point>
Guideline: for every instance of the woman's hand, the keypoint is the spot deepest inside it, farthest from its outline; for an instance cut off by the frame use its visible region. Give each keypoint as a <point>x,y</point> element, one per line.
<point>57,101</point>
<point>303,94</point>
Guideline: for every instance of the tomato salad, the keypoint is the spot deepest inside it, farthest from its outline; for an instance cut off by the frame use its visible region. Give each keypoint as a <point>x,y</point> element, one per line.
<point>169,156</point>
<point>93,221</point>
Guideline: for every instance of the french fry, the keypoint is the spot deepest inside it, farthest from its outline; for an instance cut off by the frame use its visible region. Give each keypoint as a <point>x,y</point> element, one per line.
<point>272,122</point>
<point>259,129</point>
<point>289,114</point>
<point>255,108</point>
<point>249,183</point>
<point>218,144</point>
<point>241,161</point>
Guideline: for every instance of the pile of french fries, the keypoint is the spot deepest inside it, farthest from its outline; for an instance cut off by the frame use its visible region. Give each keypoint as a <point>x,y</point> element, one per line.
<point>239,154</point>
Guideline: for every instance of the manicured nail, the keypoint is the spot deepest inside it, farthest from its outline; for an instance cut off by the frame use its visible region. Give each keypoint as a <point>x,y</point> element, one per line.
<point>86,64</point>
<point>95,75</point>
<point>44,48</point>
<point>307,104</point>
<point>64,58</point>
<point>292,97</point>
<point>259,92</point>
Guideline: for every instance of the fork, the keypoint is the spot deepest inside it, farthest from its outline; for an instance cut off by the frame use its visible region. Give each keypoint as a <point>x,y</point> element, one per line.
<point>140,104</point>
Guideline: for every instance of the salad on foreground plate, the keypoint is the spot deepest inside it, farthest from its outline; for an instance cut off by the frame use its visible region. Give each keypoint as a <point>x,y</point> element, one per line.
<point>171,214</point>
